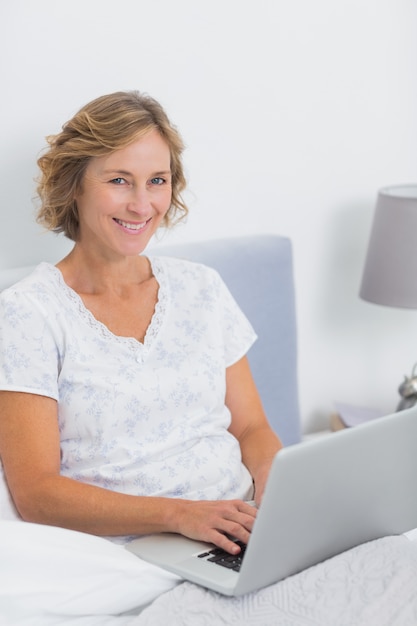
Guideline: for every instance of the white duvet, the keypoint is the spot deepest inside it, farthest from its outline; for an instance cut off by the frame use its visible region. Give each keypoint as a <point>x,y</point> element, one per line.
<point>374,584</point>
<point>51,576</point>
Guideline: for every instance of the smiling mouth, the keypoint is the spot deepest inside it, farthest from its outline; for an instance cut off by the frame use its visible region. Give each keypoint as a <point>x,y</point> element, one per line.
<point>131,225</point>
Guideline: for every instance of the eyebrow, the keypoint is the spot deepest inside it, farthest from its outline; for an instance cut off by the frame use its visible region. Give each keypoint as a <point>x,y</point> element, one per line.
<point>127,173</point>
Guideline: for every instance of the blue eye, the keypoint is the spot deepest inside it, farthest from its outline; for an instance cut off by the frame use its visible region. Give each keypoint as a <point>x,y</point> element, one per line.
<point>157,180</point>
<point>118,181</point>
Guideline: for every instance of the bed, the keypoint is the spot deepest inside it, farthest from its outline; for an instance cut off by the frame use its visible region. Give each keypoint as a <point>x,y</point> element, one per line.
<point>60,577</point>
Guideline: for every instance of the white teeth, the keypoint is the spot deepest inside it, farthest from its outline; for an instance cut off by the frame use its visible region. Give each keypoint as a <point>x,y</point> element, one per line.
<point>129,225</point>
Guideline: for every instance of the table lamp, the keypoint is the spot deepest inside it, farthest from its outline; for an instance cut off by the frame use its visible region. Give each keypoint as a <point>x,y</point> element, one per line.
<point>390,272</point>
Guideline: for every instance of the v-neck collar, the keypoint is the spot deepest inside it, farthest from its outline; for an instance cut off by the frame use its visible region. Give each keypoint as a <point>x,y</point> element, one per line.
<point>157,320</point>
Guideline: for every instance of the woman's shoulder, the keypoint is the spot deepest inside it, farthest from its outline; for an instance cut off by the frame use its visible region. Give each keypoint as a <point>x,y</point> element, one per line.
<point>40,280</point>
<point>195,286</point>
<point>178,268</point>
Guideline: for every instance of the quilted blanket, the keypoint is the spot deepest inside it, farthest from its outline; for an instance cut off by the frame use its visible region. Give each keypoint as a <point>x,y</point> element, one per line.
<point>374,584</point>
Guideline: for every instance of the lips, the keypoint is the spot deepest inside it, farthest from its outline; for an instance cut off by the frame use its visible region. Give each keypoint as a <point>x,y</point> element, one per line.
<point>133,226</point>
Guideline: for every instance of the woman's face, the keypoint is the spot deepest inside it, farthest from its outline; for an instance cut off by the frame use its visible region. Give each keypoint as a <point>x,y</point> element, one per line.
<point>124,197</point>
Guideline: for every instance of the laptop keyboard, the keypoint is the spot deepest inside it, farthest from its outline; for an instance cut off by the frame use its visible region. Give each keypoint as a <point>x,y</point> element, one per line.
<point>225,559</point>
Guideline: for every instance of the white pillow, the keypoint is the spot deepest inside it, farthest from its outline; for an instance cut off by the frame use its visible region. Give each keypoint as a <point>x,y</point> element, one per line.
<point>48,574</point>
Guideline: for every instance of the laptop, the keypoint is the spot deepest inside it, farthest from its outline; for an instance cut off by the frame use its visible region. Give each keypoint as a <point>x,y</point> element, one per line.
<point>323,496</point>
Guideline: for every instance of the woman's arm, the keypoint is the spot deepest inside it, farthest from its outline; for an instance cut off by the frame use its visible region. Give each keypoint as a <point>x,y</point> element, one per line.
<point>30,453</point>
<point>257,440</point>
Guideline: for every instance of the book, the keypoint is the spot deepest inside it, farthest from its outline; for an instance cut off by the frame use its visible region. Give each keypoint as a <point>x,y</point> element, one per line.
<point>349,415</point>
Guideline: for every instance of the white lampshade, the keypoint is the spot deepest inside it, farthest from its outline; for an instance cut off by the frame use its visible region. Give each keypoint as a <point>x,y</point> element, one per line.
<point>390,272</point>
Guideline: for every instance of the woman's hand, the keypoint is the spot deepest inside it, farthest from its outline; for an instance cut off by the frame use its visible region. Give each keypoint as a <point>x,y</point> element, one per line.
<point>216,521</point>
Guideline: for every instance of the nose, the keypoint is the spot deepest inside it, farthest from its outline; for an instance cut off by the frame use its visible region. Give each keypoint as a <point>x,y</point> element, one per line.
<point>139,200</point>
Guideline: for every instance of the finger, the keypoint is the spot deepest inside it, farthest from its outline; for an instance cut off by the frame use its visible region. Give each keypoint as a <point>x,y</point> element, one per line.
<point>227,531</point>
<point>222,541</point>
<point>243,520</point>
<point>243,514</point>
<point>249,508</point>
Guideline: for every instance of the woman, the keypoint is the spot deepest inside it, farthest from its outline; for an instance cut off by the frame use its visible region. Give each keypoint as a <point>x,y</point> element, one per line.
<point>127,405</point>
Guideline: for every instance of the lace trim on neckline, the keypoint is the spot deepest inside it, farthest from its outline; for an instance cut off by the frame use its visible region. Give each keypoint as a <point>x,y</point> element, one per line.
<point>155,324</point>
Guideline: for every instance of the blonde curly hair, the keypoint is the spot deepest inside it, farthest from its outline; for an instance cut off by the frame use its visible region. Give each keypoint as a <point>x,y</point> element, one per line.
<point>106,124</point>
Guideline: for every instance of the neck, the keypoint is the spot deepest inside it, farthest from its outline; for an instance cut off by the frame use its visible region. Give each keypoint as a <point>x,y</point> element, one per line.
<point>85,273</point>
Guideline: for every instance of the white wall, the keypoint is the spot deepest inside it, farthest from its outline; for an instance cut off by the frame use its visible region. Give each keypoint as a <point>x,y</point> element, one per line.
<point>294,113</point>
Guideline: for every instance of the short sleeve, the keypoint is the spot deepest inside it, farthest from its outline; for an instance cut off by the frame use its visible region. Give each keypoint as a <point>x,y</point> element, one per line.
<point>238,332</point>
<point>28,349</point>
